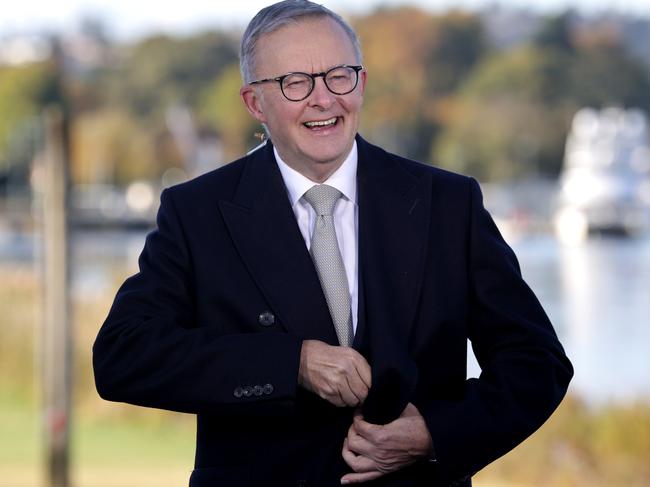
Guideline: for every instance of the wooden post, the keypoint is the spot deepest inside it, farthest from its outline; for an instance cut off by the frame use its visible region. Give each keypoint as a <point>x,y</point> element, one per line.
<point>57,335</point>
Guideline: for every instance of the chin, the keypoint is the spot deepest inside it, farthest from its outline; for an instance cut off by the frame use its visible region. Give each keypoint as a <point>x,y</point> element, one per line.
<point>326,157</point>
<point>328,152</point>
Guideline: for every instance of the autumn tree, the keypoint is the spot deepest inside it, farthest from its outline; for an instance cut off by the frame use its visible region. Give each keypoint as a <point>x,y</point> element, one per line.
<point>415,61</point>
<point>511,117</point>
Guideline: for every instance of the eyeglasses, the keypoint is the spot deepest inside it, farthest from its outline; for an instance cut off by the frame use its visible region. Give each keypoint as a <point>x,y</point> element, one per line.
<point>339,80</point>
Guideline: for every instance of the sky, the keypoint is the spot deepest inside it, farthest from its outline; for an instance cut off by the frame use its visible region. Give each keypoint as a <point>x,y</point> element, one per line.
<point>134,18</point>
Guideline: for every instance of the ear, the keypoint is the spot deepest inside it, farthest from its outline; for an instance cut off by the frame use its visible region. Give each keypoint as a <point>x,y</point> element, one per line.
<point>252,98</point>
<point>363,78</point>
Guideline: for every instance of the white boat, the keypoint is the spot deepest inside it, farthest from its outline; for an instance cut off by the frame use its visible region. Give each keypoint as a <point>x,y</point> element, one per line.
<point>605,181</point>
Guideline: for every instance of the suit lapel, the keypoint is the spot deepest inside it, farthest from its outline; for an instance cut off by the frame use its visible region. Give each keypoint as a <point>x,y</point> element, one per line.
<point>265,232</point>
<point>393,226</point>
<point>393,229</point>
<point>394,206</point>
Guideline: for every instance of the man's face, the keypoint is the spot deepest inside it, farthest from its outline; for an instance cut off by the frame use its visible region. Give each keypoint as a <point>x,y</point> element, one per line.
<point>310,46</point>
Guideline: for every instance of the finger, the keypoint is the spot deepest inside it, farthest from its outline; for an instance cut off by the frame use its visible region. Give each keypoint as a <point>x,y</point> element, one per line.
<point>356,372</point>
<point>358,388</point>
<point>410,410</point>
<point>359,445</point>
<point>357,478</point>
<point>336,400</point>
<point>367,430</point>
<point>358,463</point>
<point>363,368</point>
<point>332,396</point>
<point>347,395</point>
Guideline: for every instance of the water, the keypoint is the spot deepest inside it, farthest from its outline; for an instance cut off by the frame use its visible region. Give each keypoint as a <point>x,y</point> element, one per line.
<point>597,296</point>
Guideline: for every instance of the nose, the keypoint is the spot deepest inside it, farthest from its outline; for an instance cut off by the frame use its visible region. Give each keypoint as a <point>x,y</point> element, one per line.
<point>321,96</point>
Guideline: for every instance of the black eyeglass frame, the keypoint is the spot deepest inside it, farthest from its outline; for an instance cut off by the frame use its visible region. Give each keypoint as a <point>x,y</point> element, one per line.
<point>313,77</point>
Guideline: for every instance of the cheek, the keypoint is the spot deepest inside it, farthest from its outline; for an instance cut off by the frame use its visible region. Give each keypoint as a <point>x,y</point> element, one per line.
<point>286,115</point>
<point>353,105</point>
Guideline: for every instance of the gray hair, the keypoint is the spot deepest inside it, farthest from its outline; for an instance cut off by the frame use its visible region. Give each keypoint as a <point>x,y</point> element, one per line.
<point>278,15</point>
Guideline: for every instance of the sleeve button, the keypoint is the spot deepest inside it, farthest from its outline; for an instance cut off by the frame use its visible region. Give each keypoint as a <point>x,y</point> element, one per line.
<point>238,392</point>
<point>268,389</point>
<point>258,390</point>
<point>248,391</point>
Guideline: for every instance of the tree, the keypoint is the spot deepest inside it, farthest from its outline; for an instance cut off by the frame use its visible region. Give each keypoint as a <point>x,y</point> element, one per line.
<point>24,90</point>
<point>222,109</point>
<point>605,74</point>
<point>511,118</point>
<point>161,71</point>
<point>410,77</point>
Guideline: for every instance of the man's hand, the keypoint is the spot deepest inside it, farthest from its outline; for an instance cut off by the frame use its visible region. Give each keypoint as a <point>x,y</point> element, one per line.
<point>374,450</point>
<point>339,375</point>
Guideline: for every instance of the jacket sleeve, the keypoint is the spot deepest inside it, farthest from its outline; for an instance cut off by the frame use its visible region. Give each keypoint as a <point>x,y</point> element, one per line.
<point>150,352</point>
<point>525,372</point>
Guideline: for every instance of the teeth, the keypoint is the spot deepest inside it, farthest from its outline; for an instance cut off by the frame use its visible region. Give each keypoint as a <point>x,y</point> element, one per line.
<point>331,121</point>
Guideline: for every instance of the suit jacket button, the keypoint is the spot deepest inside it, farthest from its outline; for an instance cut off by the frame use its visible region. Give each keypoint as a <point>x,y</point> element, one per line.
<point>266,319</point>
<point>238,392</point>
<point>268,389</point>
<point>258,390</point>
<point>248,391</point>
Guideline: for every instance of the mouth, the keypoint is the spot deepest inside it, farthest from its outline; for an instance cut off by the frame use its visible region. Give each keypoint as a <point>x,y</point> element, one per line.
<point>321,124</point>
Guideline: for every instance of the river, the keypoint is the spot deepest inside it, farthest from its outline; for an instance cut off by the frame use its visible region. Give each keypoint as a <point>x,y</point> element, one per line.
<point>596,294</point>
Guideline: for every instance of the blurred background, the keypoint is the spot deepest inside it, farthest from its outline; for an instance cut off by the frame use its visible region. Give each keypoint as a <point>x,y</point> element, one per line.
<point>102,106</point>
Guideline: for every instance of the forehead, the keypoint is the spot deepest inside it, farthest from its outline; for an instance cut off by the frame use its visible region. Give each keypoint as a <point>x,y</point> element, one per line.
<point>310,45</point>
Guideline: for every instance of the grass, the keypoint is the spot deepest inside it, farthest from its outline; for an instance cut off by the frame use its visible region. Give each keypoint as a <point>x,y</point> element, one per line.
<point>111,444</point>
<point>582,446</point>
<point>121,446</point>
<point>122,450</point>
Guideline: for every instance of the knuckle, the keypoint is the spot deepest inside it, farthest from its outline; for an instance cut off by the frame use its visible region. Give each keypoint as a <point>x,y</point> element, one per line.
<point>382,457</point>
<point>382,437</point>
<point>353,443</point>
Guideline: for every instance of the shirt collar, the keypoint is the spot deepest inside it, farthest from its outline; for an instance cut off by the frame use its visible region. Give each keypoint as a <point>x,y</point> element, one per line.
<point>344,178</point>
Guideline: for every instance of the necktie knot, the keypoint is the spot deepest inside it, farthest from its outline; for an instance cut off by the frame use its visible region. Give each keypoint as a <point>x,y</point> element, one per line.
<point>322,198</point>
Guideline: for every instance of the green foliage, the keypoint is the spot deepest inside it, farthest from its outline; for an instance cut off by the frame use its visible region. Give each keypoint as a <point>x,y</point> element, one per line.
<point>222,109</point>
<point>162,71</point>
<point>121,132</point>
<point>511,117</point>
<point>605,75</point>
<point>435,92</point>
<point>411,76</point>
<point>23,91</point>
<point>555,33</point>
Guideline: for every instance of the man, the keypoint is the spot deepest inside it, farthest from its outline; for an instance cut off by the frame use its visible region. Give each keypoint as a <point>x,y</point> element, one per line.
<point>311,302</point>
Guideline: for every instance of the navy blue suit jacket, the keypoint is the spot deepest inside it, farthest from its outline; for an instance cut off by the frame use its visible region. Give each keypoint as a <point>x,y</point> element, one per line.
<point>213,324</point>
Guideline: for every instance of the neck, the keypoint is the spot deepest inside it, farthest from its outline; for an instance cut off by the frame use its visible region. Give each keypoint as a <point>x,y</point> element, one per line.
<point>317,172</point>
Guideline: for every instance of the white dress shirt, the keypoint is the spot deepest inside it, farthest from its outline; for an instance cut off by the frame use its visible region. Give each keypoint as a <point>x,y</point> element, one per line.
<point>346,215</point>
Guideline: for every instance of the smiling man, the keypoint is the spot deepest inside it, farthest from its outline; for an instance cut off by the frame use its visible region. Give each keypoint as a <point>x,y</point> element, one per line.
<point>312,118</point>
<point>311,302</point>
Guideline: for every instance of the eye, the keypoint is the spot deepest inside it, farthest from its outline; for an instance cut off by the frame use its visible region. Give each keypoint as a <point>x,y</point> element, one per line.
<point>339,75</point>
<point>296,81</point>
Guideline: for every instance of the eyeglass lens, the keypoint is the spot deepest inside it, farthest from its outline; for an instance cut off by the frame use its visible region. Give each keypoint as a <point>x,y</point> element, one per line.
<point>340,81</point>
